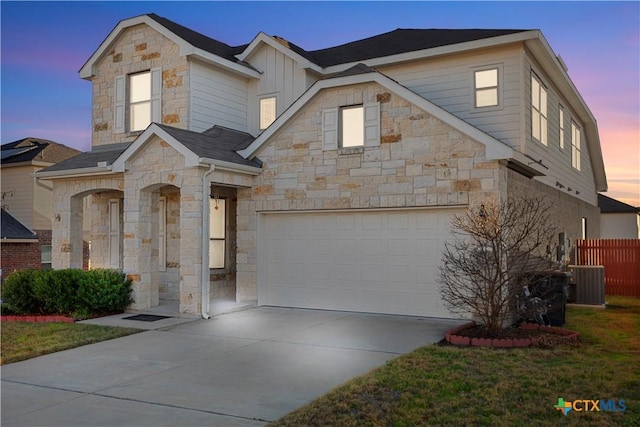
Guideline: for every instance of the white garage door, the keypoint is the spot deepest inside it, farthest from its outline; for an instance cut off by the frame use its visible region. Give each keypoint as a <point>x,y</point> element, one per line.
<point>376,261</point>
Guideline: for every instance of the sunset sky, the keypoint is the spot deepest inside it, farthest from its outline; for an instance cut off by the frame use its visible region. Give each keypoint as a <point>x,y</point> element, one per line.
<point>44,44</point>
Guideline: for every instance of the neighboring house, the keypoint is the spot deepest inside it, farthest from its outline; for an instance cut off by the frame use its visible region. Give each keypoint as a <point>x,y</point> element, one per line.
<point>618,220</point>
<point>19,247</point>
<point>27,202</point>
<point>319,179</point>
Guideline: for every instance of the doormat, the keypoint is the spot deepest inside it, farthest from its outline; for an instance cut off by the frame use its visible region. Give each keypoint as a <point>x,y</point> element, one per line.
<point>146,317</point>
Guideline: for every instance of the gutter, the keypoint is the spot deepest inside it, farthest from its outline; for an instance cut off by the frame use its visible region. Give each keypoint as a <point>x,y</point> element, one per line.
<point>206,194</point>
<point>72,173</point>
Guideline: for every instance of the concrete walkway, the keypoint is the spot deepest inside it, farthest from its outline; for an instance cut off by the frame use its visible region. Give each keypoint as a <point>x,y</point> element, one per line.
<point>239,369</point>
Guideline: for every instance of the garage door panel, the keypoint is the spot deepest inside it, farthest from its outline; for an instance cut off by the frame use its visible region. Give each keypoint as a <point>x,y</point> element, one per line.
<point>378,261</point>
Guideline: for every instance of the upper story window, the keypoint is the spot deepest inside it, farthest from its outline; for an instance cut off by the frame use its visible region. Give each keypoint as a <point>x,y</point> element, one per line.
<point>267,111</point>
<point>538,111</point>
<point>561,124</point>
<point>486,88</point>
<point>137,100</point>
<point>351,126</point>
<point>575,146</point>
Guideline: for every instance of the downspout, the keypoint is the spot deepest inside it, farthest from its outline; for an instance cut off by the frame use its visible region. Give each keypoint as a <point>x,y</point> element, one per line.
<point>206,195</point>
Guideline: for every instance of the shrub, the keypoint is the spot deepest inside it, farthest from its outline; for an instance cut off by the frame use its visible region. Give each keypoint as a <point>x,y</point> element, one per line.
<point>56,290</point>
<point>70,291</point>
<point>103,291</point>
<point>17,292</point>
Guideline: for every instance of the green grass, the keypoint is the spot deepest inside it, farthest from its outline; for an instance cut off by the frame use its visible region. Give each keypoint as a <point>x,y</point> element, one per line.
<point>22,341</point>
<point>445,385</point>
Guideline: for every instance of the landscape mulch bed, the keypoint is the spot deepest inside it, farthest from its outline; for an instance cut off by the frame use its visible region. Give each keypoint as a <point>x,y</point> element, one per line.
<point>526,335</point>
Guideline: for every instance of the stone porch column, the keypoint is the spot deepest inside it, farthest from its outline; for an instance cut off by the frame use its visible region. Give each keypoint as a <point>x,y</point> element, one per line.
<point>191,256</point>
<point>140,264</point>
<point>66,233</point>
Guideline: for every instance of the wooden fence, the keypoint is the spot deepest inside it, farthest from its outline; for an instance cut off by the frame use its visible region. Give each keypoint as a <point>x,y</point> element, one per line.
<point>621,261</point>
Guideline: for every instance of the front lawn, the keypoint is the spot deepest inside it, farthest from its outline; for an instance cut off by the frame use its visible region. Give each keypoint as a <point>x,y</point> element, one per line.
<point>445,385</point>
<point>22,341</point>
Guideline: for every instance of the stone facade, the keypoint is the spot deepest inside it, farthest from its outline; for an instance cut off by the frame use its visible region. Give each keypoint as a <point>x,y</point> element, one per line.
<point>420,162</point>
<point>138,49</point>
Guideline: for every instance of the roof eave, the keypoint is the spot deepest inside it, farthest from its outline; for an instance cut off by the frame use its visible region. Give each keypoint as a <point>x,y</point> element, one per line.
<point>187,49</point>
<point>436,51</point>
<point>75,173</point>
<point>231,167</point>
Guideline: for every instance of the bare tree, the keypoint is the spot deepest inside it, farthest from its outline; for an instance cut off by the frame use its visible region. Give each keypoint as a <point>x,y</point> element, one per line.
<point>494,249</point>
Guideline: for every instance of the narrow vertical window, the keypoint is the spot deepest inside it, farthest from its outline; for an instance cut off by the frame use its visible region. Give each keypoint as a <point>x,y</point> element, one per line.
<point>486,88</point>
<point>538,111</point>
<point>583,227</point>
<point>217,233</point>
<point>45,257</point>
<point>267,112</point>
<point>352,126</point>
<point>561,125</point>
<point>162,234</point>
<point>139,101</point>
<point>114,233</point>
<point>575,146</point>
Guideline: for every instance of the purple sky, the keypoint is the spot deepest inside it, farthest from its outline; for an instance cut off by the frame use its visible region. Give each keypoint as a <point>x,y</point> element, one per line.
<point>44,44</point>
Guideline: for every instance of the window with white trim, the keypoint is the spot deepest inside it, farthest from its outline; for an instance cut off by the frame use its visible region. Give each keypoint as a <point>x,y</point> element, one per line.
<point>575,146</point>
<point>137,100</point>
<point>561,125</point>
<point>486,88</point>
<point>267,111</point>
<point>217,232</point>
<point>351,126</point>
<point>538,110</point>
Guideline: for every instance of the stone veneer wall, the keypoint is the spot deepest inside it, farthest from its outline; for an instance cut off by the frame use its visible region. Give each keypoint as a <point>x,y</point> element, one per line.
<point>156,165</point>
<point>68,212</point>
<point>421,162</point>
<point>139,48</point>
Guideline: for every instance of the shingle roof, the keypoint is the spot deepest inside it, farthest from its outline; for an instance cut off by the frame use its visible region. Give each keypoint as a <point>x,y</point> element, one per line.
<point>35,149</point>
<point>104,153</point>
<point>11,228</point>
<point>609,205</point>
<point>401,40</point>
<point>218,143</point>
<point>398,41</point>
<point>200,40</point>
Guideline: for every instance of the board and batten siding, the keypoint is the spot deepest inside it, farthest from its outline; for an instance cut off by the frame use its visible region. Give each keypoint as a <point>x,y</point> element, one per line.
<point>449,83</point>
<point>557,160</point>
<point>217,97</point>
<point>282,77</point>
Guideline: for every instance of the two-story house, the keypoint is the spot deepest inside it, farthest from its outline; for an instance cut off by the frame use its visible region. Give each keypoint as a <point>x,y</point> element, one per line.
<point>27,202</point>
<point>320,179</point>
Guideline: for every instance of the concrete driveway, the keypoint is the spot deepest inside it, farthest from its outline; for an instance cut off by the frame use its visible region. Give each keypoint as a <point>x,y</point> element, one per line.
<point>239,369</point>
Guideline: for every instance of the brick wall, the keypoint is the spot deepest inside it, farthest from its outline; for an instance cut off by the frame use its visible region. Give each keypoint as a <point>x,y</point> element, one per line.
<point>18,256</point>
